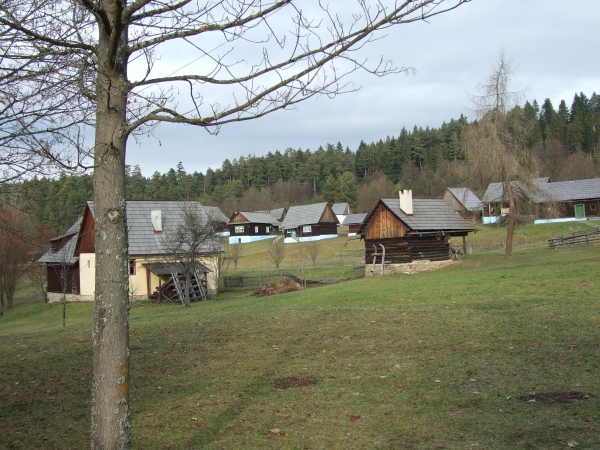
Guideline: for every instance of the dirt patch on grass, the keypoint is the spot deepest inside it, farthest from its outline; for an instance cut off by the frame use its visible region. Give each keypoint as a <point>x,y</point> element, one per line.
<point>294,382</point>
<point>549,398</point>
<point>284,285</point>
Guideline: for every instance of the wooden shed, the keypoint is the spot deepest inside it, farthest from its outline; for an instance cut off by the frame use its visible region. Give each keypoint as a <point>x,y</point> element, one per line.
<point>420,229</point>
<point>464,202</point>
<point>310,223</point>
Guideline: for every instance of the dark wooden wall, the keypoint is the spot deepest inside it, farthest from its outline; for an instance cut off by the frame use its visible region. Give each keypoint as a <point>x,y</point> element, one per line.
<point>408,249</point>
<point>85,241</point>
<point>53,277</point>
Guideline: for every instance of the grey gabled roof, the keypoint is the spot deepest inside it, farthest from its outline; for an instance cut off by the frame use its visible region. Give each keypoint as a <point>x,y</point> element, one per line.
<point>277,213</point>
<point>468,199</point>
<point>496,192</point>
<point>215,213</point>
<point>429,215</point>
<point>339,208</point>
<point>303,215</point>
<point>141,236</point>
<point>257,217</point>
<point>66,254</point>
<point>354,219</point>
<point>573,190</point>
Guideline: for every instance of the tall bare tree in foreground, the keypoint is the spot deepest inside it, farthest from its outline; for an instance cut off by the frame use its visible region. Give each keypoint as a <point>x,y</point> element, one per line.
<point>100,61</point>
<point>495,145</point>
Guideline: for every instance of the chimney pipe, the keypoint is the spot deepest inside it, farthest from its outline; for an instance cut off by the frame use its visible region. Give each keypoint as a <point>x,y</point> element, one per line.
<point>406,201</point>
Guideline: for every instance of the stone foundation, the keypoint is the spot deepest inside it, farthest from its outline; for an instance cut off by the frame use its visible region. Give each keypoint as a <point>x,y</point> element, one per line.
<point>55,297</point>
<point>407,268</point>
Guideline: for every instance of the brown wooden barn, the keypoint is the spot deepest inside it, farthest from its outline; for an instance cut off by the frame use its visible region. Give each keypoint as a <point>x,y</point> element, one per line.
<point>353,222</point>
<point>252,226</point>
<point>310,223</point>
<point>60,259</point>
<point>412,230</point>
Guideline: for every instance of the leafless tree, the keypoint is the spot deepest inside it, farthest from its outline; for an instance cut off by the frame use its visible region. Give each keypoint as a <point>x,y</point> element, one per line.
<point>99,60</point>
<point>234,253</point>
<point>277,252</point>
<point>495,145</point>
<point>13,255</point>
<point>194,237</point>
<point>313,248</point>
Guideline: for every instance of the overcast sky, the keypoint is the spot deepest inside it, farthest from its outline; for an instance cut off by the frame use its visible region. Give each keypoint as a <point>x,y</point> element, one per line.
<point>554,46</point>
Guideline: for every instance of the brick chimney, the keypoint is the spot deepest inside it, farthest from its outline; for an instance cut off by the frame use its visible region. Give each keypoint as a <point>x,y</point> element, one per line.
<point>406,201</point>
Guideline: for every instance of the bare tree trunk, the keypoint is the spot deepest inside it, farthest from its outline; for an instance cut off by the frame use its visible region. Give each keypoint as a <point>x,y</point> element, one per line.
<point>1,303</point>
<point>63,280</point>
<point>111,417</point>
<point>511,219</point>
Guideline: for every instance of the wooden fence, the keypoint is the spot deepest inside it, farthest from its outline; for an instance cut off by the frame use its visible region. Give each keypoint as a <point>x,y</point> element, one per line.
<point>581,237</point>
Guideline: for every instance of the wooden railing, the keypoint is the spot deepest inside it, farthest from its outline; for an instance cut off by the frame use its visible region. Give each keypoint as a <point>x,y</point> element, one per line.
<point>581,237</point>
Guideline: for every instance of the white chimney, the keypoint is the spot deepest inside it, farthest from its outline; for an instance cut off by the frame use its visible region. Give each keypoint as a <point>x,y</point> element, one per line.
<point>156,217</point>
<point>406,201</point>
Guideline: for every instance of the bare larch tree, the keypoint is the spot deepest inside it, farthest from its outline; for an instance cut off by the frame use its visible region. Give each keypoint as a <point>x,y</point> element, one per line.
<point>100,61</point>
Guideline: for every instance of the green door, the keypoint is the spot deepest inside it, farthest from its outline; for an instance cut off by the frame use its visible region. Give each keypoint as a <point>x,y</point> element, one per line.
<point>580,211</point>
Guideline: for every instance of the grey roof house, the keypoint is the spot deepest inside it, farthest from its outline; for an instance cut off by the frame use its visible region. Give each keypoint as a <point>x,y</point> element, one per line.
<point>309,223</point>
<point>408,230</point>
<point>247,227</point>
<point>566,200</point>
<point>149,225</point>
<point>464,202</point>
<point>353,222</point>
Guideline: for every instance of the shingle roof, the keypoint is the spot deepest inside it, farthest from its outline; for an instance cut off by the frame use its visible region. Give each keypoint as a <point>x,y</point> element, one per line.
<point>496,192</point>
<point>141,236</point>
<point>339,208</point>
<point>303,215</point>
<point>277,213</point>
<point>429,215</point>
<point>66,254</point>
<point>573,190</point>
<point>354,219</point>
<point>216,214</point>
<point>259,217</point>
<point>469,200</point>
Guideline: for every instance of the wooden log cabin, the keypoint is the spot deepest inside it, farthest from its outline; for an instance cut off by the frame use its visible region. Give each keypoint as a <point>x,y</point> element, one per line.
<point>310,223</point>
<point>412,230</point>
<point>247,227</point>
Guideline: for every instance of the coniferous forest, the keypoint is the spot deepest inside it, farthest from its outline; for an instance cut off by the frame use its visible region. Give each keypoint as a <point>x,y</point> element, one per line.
<point>562,143</point>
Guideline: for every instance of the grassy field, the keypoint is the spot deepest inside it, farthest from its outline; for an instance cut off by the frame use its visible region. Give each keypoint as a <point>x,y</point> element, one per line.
<point>440,360</point>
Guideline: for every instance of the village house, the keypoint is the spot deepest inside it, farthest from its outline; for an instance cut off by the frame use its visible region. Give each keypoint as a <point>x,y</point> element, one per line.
<point>400,231</point>
<point>353,222</point>
<point>278,213</point>
<point>464,202</point>
<point>247,227</point>
<point>309,223</point>
<point>341,210</point>
<point>148,224</point>
<point>558,201</point>
<point>221,220</point>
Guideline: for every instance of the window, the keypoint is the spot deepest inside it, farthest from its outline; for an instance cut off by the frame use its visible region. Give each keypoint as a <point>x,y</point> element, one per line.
<point>593,207</point>
<point>307,229</point>
<point>132,267</point>
<point>267,228</point>
<point>239,228</point>
<point>256,229</point>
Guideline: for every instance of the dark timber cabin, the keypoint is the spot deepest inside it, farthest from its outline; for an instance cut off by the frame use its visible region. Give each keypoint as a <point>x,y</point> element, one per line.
<point>247,227</point>
<point>411,230</point>
<point>310,223</point>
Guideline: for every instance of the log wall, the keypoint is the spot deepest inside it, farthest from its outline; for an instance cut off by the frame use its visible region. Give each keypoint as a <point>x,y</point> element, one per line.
<point>407,249</point>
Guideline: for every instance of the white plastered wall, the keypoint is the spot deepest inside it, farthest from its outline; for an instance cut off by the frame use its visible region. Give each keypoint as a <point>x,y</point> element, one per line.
<point>87,273</point>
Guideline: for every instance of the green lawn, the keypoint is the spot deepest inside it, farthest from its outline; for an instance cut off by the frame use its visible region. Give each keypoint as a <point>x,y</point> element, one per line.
<point>436,360</point>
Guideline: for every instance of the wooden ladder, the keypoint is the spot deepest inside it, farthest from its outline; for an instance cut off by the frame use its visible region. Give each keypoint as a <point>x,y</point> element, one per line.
<point>383,261</point>
<point>197,290</point>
